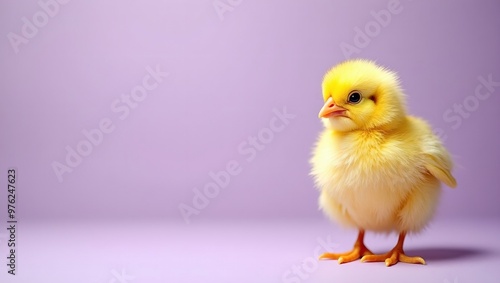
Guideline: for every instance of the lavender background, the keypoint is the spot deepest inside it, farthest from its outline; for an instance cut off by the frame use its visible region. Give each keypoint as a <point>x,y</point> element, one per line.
<point>226,75</point>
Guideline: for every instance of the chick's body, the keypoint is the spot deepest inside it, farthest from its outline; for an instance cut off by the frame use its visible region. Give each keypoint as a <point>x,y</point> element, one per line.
<point>377,180</point>
<point>377,168</point>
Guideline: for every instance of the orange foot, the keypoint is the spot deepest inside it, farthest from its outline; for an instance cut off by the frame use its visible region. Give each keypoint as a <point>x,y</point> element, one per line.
<point>357,252</point>
<point>394,256</point>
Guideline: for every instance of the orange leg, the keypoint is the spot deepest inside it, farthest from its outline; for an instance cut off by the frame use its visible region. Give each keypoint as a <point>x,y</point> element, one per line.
<point>395,255</point>
<point>357,252</point>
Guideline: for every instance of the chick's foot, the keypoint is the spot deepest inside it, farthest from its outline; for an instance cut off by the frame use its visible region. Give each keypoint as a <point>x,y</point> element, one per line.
<point>394,256</point>
<point>356,253</point>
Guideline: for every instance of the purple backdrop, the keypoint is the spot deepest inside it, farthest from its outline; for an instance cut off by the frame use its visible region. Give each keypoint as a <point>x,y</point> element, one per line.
<point>232,73</point>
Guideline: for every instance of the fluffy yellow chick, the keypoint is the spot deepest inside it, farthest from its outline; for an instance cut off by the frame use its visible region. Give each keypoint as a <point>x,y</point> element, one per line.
<point>377,168</point>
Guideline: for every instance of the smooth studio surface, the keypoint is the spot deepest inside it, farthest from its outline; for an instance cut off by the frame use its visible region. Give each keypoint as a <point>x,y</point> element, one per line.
<point>213,86</point>
<point>264,251</point>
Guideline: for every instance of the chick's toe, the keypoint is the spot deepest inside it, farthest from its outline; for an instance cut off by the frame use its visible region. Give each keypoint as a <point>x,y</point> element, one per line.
<point>394,256</point>
<point>356,253</point>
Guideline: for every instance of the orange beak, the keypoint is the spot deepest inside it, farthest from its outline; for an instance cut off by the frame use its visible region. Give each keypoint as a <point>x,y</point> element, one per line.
<point>331,110</point>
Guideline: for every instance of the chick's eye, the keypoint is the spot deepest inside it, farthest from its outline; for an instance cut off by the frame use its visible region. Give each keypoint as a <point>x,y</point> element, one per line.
<point>354,97</point>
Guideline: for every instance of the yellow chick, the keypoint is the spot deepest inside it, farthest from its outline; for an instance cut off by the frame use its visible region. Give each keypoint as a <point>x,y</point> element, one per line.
<point>377,168</point>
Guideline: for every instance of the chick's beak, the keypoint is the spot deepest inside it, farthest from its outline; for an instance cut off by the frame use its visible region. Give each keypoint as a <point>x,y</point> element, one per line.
<point>330,109</point>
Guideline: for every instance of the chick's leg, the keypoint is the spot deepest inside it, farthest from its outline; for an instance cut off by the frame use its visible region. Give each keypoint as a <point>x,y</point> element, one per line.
<point>357,252</point>
<point>395,255</point>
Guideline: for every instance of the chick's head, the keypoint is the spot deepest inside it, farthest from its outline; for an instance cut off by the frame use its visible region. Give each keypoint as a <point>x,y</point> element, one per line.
<point>360,95</point>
